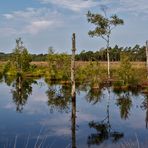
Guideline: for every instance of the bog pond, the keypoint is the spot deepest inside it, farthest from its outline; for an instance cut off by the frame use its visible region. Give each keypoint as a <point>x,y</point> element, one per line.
<point>40,114</point>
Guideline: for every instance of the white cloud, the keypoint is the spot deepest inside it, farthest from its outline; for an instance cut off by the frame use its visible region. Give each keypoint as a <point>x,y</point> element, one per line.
<point>38,26</point>
<point>7,31</point>
<point>32,20</point>
<point>75,5</point>
<point>130,6</point>
<point>140,6</point>
<point>8,16</point>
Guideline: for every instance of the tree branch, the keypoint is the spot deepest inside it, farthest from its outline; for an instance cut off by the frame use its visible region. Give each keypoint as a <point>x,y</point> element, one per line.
<point>103,38</point>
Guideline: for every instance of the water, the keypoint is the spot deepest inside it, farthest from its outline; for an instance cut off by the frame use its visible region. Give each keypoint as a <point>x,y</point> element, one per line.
<point>34,113</point>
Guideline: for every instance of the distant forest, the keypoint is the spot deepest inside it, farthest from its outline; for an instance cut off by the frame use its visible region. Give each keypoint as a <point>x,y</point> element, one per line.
<point>135,53</point>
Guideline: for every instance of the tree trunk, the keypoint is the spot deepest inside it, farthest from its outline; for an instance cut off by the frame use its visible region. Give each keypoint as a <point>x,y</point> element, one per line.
<point>108,64</point>
<point>73,66</point>
<point>108,59</point>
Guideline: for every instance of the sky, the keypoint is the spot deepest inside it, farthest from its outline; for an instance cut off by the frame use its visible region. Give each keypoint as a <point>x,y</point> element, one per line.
<point>50,23</point>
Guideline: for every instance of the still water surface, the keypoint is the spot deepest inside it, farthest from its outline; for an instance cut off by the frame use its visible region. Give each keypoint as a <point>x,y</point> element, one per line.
<point>37,114</point>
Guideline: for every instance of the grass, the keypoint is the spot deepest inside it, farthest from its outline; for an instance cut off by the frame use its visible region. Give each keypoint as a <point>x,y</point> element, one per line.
<point>103,63</point>
<point>86,72</point>
<point>137,64</point>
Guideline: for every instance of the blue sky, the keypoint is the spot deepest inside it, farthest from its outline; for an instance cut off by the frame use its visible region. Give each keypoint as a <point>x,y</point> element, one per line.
<point>45,23</point>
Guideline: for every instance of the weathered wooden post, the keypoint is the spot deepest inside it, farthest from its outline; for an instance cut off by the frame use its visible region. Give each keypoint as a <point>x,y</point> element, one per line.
<point>147,57</point>
<point>73,93</point>
<point>73,66</point>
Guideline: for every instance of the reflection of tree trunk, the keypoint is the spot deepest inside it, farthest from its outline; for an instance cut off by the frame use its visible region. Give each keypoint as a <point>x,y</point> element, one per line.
<point>73,122</point>
<point>19,83</point>
<point>104,130</point>
<point>146,119</point>
<point>108,115</point>
<point>145,107</point>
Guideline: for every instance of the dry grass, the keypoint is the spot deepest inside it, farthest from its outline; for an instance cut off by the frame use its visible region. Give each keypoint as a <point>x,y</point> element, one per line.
<point>104,63</point>
<point>40,64</point>
<point>80,63</point>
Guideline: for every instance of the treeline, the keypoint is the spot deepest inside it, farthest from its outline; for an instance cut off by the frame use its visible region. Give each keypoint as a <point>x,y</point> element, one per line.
<point>34,57</point>
<point>135,53</point>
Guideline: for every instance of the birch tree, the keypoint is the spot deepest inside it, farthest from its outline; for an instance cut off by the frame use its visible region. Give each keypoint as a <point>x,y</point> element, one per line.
<point>103,28</point>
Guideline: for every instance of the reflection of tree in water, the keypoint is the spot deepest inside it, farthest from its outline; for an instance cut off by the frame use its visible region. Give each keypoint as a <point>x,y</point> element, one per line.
<point>124,102</point>
<point>1,77</point>
<point>59,97</point>
<point>9,79</point>
<point>104,130</point>
<point>144,106</point>
<point>21,90</point>
<point>132,91</point>
<point>73,122</point>
<point>94,95</point>
<point>103,133</point>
